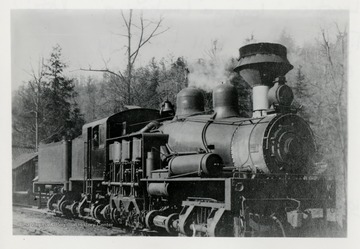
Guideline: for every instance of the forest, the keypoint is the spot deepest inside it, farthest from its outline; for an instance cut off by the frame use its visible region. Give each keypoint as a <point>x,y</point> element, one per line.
<point>52,105</point>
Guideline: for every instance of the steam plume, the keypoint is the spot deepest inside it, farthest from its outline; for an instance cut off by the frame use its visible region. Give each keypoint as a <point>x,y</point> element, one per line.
<point>207,74</point>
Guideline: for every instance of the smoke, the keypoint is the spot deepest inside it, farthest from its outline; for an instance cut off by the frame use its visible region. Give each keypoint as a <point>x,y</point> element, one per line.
<point>207,74</point>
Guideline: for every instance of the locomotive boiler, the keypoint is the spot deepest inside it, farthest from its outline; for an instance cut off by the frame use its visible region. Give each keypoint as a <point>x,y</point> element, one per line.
<point>204,173</point>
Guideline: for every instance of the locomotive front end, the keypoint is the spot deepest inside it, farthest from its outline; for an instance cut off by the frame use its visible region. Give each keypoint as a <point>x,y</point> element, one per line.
<point>274,144</point>
<point>280,141</point>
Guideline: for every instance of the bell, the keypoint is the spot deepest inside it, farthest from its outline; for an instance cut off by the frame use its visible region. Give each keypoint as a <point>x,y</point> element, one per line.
<point>167,108</point>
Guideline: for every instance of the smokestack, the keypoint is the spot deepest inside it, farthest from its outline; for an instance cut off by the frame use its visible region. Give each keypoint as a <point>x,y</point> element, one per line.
<point>259,65</point>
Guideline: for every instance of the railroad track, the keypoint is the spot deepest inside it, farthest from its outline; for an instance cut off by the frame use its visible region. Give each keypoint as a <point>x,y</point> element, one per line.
<point>21,205</point>
<point>33,221</point>
<point>33,231</point>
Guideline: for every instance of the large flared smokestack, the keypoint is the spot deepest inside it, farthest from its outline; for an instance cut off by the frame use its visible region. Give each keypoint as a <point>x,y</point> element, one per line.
<point>259,65</point>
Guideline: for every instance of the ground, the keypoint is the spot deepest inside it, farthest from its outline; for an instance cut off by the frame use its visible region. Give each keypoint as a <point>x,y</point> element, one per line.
<point>27,221</point>
<point>33,221</point>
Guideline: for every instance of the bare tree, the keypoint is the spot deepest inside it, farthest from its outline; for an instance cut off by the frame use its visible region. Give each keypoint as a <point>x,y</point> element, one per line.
<point>32,104</point>
<point>338,86</point>
<point>145,30</point>
<point>214,51</point>
<point>250,39</point>
<point>333,102</point>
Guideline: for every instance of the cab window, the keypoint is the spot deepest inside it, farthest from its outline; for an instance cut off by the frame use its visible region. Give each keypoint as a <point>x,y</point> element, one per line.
<point>95,137</point>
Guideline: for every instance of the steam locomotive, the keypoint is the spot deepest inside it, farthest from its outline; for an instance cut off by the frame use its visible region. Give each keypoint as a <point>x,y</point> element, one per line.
<point>197,173</point>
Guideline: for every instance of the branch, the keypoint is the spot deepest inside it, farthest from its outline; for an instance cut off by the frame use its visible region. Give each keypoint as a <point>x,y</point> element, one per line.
<point>124,19</point>
<point>326,46</point>
<point>105,61</point>
<point>152,35</point>
<point>104,71</point>
<point>121,35</point>
<point>328,54</point>
<point>140,40</point>
<point>60,129</point>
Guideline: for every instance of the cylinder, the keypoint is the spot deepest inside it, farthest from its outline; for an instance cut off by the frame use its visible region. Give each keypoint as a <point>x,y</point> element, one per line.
<point>199,164</point>
<point>125,151</point>
<point>159,221</point>
<point>260,100</point>
<point>189,101</point>
<point>156,219</point>
<point>149,164</point>
<point>136,149</point>
<point>158,189</point>
<point>225,101</point>
<point>116,152</point>
<point>111,148</point>
<point>150,126</point>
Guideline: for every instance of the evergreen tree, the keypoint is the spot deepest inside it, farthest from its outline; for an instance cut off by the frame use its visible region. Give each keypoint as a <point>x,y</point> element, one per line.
<point>172,79</point>
<point>301,93</point>
<point>44,110</point>
<point>63,114</point>
<point>147,81</point>
<point>88,98</point>
<point>243,89</point>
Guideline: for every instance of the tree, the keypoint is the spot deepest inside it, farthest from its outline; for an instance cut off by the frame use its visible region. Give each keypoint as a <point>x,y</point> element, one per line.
<point>146,84</point>
<point>143,39</point>
<point>44,109</point>
<point>301,93</point>
<point>243,89</point>
<point>214,51</point>
<point>335,113</point>
<point>63,115</point>
<point>172,78</point>
<point>210,71</point>
<point>250,39</point>
<point>325,65</point>
<point>28,108</point>
<point>88,97</point>
<point>286,40</point>
<point>145,30</point>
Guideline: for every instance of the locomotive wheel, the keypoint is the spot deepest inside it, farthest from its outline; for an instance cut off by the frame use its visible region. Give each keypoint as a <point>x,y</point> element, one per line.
<point>97,211</point>
<point>63,209</point>
<point>74,208</point>
<point>114,216</point>
<point>92,213</point>
<point>149,219</point>
<point>105,213</point>
<point>53,200</point>
<point>169,224</point>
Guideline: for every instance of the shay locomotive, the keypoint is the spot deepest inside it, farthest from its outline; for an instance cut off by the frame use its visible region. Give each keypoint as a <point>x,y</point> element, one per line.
<point>197,173</point>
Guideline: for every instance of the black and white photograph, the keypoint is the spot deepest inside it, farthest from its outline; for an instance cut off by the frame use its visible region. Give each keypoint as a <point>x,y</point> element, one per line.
<point>179,122</point>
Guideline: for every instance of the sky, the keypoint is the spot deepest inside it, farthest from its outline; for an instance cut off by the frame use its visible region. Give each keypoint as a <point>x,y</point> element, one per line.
<point>89,38</point>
